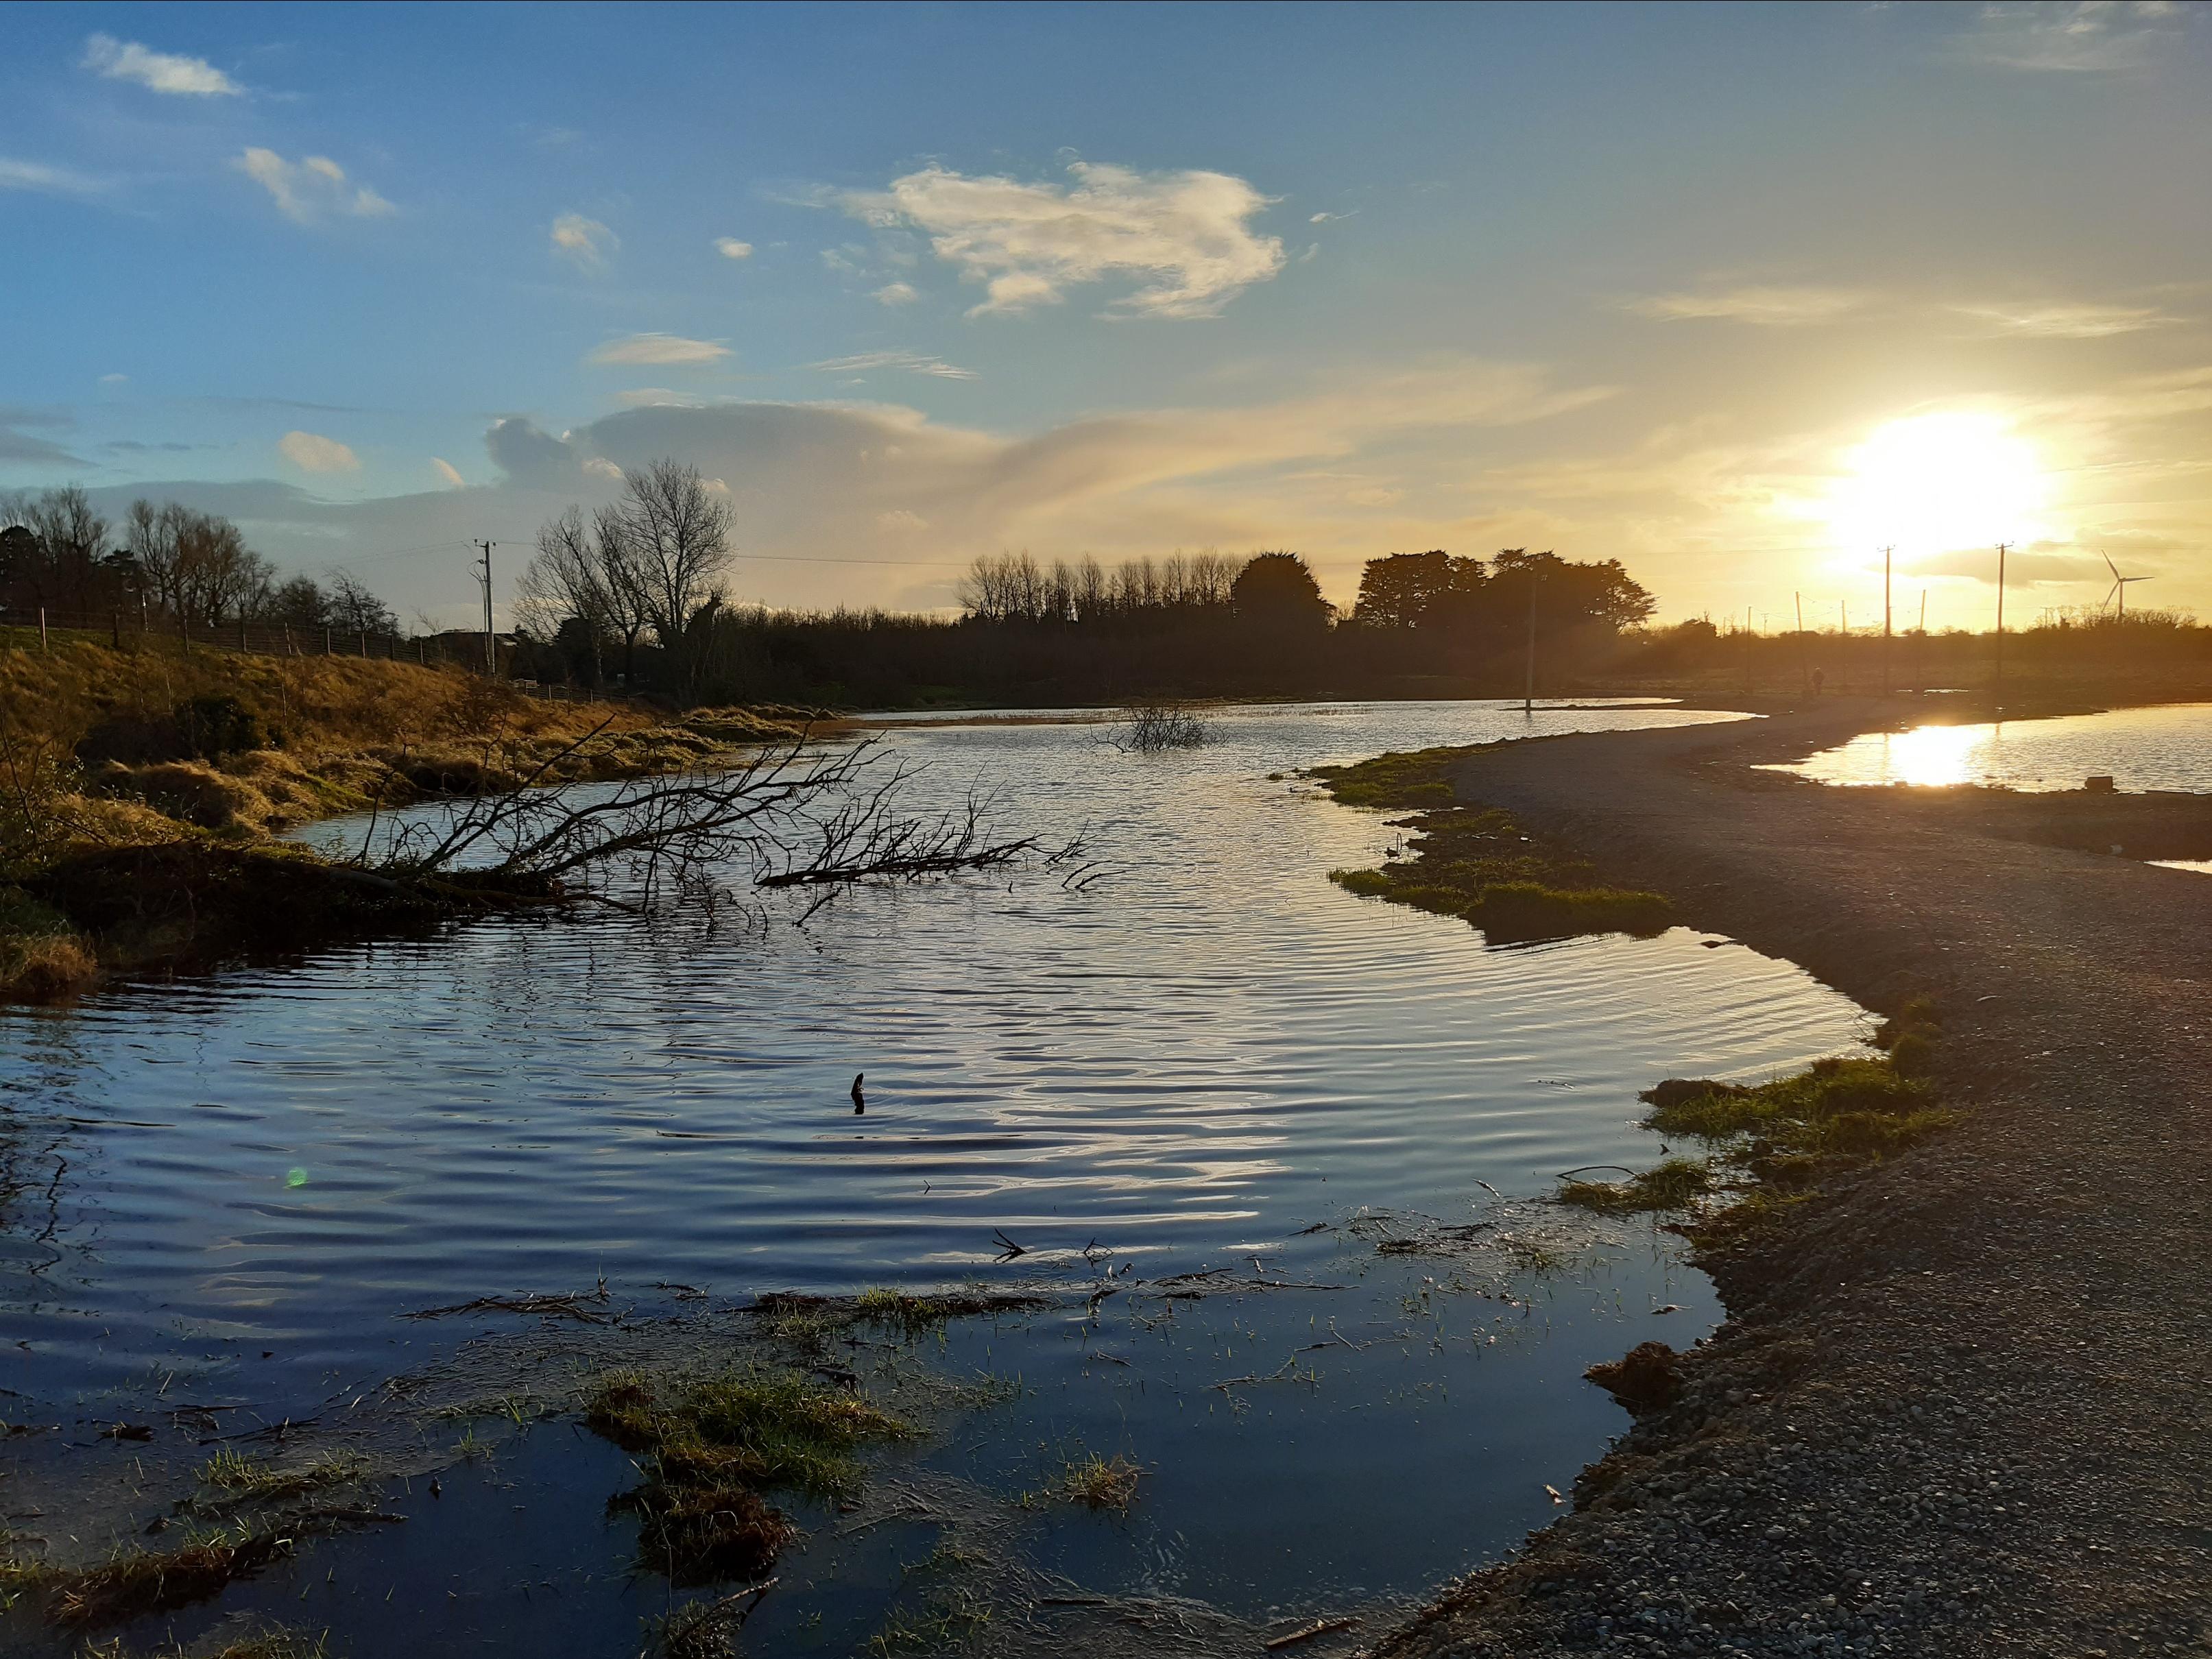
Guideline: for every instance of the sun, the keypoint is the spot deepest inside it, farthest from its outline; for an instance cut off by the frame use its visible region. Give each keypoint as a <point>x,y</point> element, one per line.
<point>1939,482</point>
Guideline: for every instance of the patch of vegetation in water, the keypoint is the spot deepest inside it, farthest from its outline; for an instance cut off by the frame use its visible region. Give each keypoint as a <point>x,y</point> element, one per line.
<point>1477,864</point>
<point>135,1583</point>
<point>710,1448</point>
<point>1771,1141</point>
<point>273,1643</point>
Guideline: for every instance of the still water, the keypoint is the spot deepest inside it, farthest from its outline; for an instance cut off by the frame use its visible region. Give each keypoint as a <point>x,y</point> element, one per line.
<point>2167,747</point>
<point>228,1191</point>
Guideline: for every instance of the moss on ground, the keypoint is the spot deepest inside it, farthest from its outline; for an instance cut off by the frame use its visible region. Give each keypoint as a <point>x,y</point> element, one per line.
<point>1478,864</point>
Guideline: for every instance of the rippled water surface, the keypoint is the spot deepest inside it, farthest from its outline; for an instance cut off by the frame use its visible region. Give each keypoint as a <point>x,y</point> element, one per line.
<point>230,1190</point>
<point>2168,747</point>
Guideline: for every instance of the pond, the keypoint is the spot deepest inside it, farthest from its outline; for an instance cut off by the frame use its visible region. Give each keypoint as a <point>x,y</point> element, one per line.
<point>2165,747</point>
<point>1209,1057</point>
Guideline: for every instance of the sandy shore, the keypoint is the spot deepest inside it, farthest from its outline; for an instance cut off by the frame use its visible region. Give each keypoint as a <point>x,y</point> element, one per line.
<point>1968,1409</point>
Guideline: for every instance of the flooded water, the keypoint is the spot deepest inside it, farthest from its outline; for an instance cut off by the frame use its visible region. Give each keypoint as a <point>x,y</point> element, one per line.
<point>2167,747</point>
<point>228,1192</point>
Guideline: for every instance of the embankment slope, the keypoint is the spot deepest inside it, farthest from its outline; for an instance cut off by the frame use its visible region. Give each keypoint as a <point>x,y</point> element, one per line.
<point>1964,1406</point>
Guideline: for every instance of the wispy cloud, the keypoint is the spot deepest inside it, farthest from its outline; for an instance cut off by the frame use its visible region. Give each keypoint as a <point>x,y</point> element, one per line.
<point>161,71</point>
<point>16,445</point>
<point>658,348</point>
<point>311,188</point>
<point>731,248</point>
<point>53,180</point>
<point>1768,306</point>
<point>2068,322</point>
<point>448,474</point>
<point>897,294</point>
<point>584,243</point>
<point>1188,236</point>
<point>913,362</point>
<point>2074,36</point>
<point>312,453</point>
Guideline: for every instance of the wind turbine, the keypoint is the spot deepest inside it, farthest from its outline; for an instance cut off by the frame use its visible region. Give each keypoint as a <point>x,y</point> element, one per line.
<point>2119,589</point>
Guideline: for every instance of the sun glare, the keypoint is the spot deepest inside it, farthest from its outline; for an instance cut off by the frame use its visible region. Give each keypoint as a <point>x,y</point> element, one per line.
<point>1934,483</point>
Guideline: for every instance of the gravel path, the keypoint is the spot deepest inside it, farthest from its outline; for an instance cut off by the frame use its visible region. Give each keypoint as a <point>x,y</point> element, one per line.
<point>1969,1409</point>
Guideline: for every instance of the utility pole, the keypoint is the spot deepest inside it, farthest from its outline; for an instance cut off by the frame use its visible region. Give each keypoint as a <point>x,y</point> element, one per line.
<point>1528,687</point>
<point>2003,549</point>
<point>1804,666</point>
<point>1886,552</point>
<point>491,648</point>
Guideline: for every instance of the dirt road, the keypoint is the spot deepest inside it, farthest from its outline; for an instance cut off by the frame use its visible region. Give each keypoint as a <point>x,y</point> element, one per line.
<point>1969,1411</point>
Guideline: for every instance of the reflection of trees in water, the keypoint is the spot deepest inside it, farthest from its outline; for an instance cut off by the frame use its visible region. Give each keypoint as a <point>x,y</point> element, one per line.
<point>35,1142</point>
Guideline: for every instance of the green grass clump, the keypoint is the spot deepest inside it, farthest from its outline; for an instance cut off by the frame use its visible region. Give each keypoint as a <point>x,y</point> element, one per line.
<point>248,1479</point>
<point>1421,778</point>
<point>1783,1135</point>
<point>1475,863</point>
<point>1100,1483</point>
<point>711,1447</point>
<point>1675,1184</point>
<point>1829,1089</point>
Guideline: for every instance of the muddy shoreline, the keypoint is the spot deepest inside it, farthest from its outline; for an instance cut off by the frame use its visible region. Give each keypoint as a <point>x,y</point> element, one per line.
<point>1961,1407</point>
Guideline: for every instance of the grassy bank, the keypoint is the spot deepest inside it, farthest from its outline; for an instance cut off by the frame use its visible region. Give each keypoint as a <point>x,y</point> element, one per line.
<point>1478,864</point>
<point>139,789</point>
<point>1769,1147</point>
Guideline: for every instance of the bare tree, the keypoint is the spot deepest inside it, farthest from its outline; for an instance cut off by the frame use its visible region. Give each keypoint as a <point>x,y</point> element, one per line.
<point>585,573</point>
<point>355,610</point>
<point>793,815</point>
<point>675,537</point>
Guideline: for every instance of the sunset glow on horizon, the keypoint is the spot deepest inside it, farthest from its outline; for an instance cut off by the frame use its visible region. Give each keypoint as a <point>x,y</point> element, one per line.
<point>1737,295</point>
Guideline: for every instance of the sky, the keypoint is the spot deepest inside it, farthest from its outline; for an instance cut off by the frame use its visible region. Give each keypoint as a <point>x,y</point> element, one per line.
<point>1736,295</point>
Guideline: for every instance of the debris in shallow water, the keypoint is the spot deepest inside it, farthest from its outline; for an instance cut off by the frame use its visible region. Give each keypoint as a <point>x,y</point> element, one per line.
<point>1307,1632</point>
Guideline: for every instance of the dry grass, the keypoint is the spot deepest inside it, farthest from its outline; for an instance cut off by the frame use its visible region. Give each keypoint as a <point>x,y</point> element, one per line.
<point>270,1643</point>
<point>42,958</point>
<point>103,751</point>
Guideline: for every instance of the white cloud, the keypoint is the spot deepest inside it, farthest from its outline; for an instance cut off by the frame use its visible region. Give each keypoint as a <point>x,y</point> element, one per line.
<point>115,380</point>
<point>162,71</point>
<point>1187,234</point>
<point>899,520</point>
<point>897,294</point>
<point>306,190</point>
<point>913,362</point>
<point>731,248</point>
<point>37,175</point>
<point>2068,322</point>
<point>658,349</point>
<point>654,397</point>
<point>1763,306</point>
<point>447,472</point>
<point>2074,36</point>
<point>584,243</point>
<point>599,467</point>
<point>311,452</point>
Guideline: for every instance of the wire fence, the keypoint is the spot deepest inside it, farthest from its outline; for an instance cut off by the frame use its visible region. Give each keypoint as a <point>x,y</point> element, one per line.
<point>41,628</point>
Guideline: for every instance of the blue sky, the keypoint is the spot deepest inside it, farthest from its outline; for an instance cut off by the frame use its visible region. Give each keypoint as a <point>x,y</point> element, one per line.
<point>1726,292</point>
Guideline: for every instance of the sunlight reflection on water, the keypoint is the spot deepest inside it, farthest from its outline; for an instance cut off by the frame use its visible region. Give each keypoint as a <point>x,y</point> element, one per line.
<point>2168,747</point>
<point>1209,1050</point>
